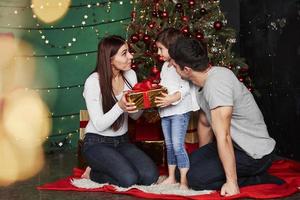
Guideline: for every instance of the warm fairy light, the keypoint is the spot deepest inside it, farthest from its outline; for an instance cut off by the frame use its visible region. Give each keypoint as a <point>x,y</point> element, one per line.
<point>25,117</point>
<point>15,71</point>
<point>50,11</point>
<point>24,126</point>
<point>8,48</point>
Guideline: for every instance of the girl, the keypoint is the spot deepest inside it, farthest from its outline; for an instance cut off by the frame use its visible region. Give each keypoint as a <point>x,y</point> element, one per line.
<point>174,110</point>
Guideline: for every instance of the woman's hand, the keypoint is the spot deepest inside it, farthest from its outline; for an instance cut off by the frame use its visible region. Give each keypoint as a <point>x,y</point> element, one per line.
<point>127,106</point>
<point>166,99</point>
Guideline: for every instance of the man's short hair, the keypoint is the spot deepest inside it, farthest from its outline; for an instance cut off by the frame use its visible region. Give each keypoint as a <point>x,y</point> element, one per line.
<point>189,52</point>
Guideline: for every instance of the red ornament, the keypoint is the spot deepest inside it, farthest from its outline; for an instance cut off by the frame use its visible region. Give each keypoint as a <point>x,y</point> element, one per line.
<point>141,35</point>
<point>203,11</point>
<point>185,18</point>
<point>153,47</point>
<point>146,38</point>
<point>191,3</point>
<point>199,35</point>
<point>154,14</point>
<point>151,24</point>
<point>147,53</point>
<point>134,38</point>
<point>154,70</point>
<point>244,69</point>
<point>164,15</point>
<point>185,30</point>
<point>133,15</point>
<point>134,66</point>
<point>218,25</point>
<point>178,6</point>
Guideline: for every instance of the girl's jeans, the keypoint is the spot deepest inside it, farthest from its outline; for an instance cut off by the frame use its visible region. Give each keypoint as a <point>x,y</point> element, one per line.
<point>174,128</point>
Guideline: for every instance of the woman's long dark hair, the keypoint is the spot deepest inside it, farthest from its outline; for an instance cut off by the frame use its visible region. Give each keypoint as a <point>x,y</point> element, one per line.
<point>107,48</point>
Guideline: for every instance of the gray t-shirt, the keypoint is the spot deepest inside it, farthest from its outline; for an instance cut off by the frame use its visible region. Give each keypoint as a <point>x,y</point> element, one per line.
<point>248,129</point>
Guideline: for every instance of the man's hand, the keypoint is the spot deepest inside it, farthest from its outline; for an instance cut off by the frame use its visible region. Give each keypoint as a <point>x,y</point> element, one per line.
<point>229,189</point>
<point>167,99</point>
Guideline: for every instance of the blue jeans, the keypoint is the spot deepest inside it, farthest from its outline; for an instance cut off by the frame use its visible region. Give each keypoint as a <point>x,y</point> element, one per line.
<point>206,171</point>
<point>116,161</point>
<point>174,128</point>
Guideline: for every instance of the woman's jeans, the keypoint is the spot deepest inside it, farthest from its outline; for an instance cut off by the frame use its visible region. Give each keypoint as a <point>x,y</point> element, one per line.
<point>116,161</point>
<point>206,170</point>
<point>174,128</point>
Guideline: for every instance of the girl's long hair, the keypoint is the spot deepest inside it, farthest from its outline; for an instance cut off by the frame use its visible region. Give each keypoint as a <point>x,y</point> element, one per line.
<point>107,48</point>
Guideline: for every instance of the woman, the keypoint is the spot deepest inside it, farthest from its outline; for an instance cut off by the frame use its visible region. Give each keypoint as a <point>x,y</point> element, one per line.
<point>109,154</point>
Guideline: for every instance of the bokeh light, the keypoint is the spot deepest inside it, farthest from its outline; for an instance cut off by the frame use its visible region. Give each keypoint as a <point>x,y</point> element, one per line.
<point>16,66</point>
<point>50,11</point>
<point>24,117</point>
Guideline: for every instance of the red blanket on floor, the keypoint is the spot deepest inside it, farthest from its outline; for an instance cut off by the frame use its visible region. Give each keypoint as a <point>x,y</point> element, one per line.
<point>288,170</point>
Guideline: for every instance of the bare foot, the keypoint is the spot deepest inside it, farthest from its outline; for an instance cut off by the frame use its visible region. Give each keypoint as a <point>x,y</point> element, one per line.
<point>86,173</point>
<point>169,180</point>
<point>183,187</point>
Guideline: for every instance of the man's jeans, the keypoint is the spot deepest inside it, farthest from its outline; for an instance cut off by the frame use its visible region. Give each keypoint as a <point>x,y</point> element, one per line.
<point>114,160</point>
<point>206,170</point>
<point>174,128</point>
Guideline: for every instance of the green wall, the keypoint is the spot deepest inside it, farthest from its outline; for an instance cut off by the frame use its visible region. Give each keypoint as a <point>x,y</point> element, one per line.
<point>61,69</point>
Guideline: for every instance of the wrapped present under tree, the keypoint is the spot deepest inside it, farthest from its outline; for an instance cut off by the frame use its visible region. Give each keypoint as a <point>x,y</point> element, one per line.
<point>191,133</point>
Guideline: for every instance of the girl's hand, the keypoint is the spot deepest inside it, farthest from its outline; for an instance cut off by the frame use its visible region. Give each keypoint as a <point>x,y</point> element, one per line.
<point>127,106</point>
<point>166,99</point>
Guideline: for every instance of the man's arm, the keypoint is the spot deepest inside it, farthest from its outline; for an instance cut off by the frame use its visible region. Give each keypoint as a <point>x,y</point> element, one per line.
<point>221,119</point>
<point>204,131</point>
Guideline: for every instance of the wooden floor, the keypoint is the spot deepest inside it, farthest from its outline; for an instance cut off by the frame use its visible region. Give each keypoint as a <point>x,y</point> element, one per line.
<point>59,165</point>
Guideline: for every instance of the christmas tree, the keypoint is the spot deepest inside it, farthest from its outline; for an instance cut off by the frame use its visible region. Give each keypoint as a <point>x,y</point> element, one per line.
<point>202,19</point>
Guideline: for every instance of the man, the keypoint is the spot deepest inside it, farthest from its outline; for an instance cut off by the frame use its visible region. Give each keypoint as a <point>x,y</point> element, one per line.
<point>242,150</point>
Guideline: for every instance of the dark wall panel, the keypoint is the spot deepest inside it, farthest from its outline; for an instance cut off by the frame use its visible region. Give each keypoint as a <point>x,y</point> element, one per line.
<point>269,39</point>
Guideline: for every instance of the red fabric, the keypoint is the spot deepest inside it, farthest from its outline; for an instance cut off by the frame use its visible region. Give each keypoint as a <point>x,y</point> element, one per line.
<point>190,147</point>
<point>83,124</point>
<point>286,169</point>
<point>145,131</point>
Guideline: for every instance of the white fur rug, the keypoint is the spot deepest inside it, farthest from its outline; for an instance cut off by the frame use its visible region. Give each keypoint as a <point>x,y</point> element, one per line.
<point>155,188</point>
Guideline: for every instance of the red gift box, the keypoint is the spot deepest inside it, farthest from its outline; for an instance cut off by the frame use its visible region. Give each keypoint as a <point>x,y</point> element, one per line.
<point>144,94</point>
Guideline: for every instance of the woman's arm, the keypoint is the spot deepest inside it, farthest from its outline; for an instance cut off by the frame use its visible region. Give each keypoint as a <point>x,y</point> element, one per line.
<point>93,101</point>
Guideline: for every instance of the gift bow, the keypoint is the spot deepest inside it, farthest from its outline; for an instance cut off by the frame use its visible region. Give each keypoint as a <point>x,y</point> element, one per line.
<point>145,85</point>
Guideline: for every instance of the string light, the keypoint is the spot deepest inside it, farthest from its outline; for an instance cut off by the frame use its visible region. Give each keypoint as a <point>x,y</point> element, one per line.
<point>58,55</point>
<point>65,27</point>
<point>103,3</point>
